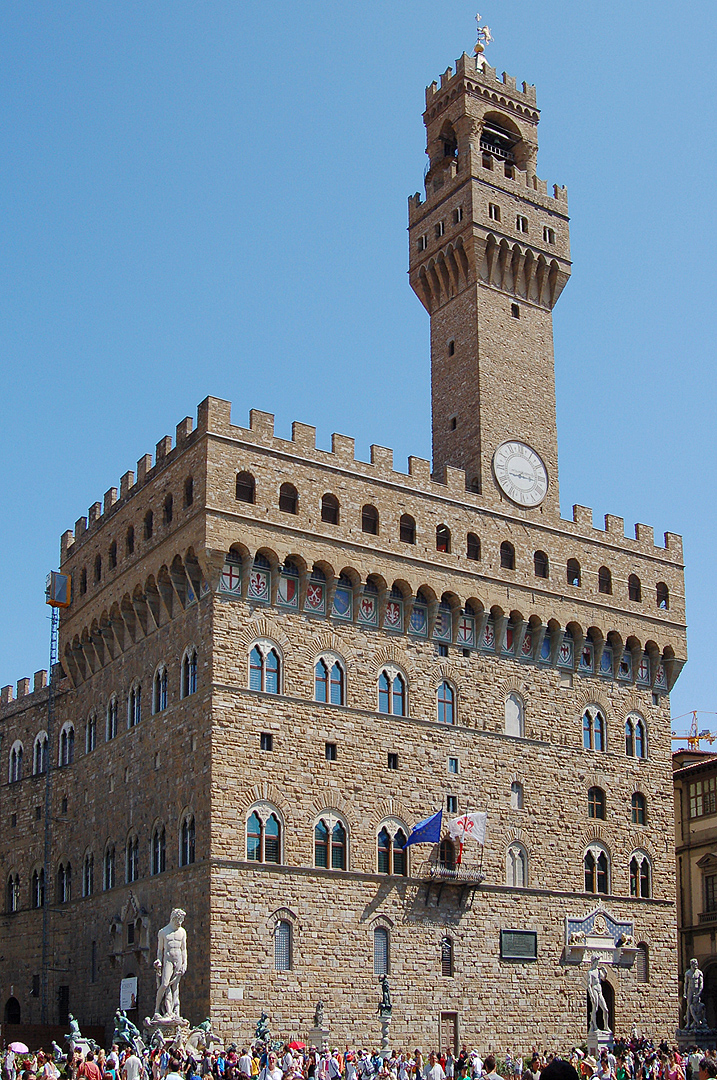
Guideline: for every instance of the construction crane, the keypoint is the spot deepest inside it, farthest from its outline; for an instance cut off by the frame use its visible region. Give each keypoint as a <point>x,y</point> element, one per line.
<point>694,736</point>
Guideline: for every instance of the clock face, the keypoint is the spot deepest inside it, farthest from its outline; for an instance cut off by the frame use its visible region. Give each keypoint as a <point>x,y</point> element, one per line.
<point>520,473</point>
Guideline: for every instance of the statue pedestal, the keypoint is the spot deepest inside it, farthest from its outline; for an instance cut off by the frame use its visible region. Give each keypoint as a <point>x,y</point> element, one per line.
<point>170,1026</point>
<point>703,1037</point>
<point>599,1040</point>
<point>385,1051</point>
<point>319,1037</point>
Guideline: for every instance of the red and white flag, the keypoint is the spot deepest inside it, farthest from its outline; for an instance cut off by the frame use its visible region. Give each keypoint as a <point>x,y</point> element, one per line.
<point>468,827</point>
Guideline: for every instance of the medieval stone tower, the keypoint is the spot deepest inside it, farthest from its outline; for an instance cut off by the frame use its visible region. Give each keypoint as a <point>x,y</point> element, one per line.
<point>489,256</point>
<point>278,659</point>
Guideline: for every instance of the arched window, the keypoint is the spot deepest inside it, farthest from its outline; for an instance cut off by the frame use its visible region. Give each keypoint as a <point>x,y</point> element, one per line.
<point>282,946</point>
<point>189,673</point>
<point>245,487</point>
<point>64,883</point>
<point>605,581</point>
<point>642,963</point>
<point>330,509</point>
<point>288,499</point>
<point>392,692</point>
<point>663,599</point>
<point>516,795</point>
<point>443,538</point>
<point>129,540</point>
<point>91,733</point>
<point>640,875</point>
<point>447,958</point>
<point>37,889</point>
<point>12,900</point>
<point>88,874</point>
<point>597,869</point>
<point>541,565</point>
<point>159,849</point>
<point>329,681</point>
<point>445,698</point>
<point>407,529</point>
<point>148,525</point>
<point>635,740</point>
<point>516,866</point>
<point>380,951</point>
<point>596,803</point>
<point>593,728</point>
<point>447,854</point>
<point>168,509</point>
<point>391,854</point>
<point>507,555</point>
<point>369,520</point>
<point>134,705</point>
<point>573,572</point>
<point>159,689</point>
<point>638,806</point>
<point>473,547</point>
<point>132,859</point>
<point>67,745</point>
<point>109,867</point>
<point>98,568</point>
<point>634,588</point>
<point>187,834</point>
<point>111,718</point>
<point>264,668</point>
<point>40,753</point>
<point>263,836</point>
<point>15,768</point>
<point>330,843</point>
<point>188,491</point>
<point>514,713</point>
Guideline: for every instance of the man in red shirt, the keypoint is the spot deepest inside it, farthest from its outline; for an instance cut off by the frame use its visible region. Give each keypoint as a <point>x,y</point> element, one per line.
<point>89,1068</point>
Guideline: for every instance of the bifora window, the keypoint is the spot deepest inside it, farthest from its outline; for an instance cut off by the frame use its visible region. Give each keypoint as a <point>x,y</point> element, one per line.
<point>593,728</point>
<point>391,852</point>
<point>329,681</point>
<point>640,884</point>
<point>597,867</point>
<point>263,837</point>
<point>703,797</point>
<point>635,742</point>
<point>330,843</point>
<point>391,693</point>
<point>264,669</point>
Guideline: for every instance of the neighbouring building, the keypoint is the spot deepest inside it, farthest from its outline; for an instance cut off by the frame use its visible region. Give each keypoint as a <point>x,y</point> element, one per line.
<point>278,659</point>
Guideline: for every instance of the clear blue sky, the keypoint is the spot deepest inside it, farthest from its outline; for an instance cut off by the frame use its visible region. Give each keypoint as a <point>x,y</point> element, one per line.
<point>210,198</point>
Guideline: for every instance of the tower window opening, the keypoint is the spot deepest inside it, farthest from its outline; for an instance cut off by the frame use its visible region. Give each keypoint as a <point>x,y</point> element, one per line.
<point>458,215</point>
<point>509,170</point>
<point>443,538</point>
<point>548,235</point>
<point>497,141</point>
<point>541,564</point>
<point>493,211</point>
<point>369,520</point>
<point>515,310</point>
<point>663,596</point>
<point>473,548</point>
<point>507,556</point>
<point>422,242</point>
<point>450,144</point>
<point>440,229</point>
<point>521,223</point>
<point>453,423</point>
<point>451,348</point>
<point>407,530</point>
<point>487,161</point>
<point>573,572</point>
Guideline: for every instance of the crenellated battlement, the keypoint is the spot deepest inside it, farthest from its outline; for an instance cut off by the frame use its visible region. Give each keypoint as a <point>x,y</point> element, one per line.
<point>214,419</point>
<point>10,695</point>
<point>484,76</point>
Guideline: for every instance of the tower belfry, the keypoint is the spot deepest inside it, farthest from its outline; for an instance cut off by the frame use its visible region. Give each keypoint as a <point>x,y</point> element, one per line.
<point>489,257</point>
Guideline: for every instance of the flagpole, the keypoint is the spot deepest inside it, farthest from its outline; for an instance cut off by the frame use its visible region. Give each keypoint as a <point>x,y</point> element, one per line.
<point>463,840</point>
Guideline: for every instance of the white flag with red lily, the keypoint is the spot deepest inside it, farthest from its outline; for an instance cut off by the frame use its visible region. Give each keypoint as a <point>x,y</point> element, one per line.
<point>469,827</point>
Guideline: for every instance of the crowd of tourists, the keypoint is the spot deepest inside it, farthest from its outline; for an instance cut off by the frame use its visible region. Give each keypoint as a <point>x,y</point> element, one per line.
<point>633,1059</point>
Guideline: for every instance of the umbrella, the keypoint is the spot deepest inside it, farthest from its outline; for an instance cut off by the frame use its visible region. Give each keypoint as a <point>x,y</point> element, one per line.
<point>18,1048</point>
<point>297,1046</point>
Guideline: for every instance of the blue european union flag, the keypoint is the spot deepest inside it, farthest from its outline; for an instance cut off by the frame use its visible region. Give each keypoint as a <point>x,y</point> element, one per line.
<point>427,831</point>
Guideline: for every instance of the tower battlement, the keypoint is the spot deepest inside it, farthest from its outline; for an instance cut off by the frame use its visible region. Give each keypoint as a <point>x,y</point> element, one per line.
<point>484,76</point>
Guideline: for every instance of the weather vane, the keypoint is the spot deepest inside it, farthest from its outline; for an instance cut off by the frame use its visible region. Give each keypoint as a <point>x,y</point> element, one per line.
<point>484,37</point>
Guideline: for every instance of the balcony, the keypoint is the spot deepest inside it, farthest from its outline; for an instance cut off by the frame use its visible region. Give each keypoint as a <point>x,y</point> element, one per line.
<point>708,916</point>
<point>466,878</point>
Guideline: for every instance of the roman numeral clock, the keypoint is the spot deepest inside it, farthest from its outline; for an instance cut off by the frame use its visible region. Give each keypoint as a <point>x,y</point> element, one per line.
<point>520,473</point>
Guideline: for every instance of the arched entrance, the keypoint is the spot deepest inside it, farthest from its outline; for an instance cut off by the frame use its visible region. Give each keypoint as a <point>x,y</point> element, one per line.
<point>12,1011</point>
<point>709,995</point>
<point>609,994</point>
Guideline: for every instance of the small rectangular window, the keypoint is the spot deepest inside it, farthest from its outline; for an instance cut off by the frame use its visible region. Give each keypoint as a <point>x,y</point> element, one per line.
<point>35,992</point>
<point>458,215</point>
<point>422,243</point>
<point>466,652</point>
<point>548,235</point>
<point>440,229</point>
<point>655,699</point>
<point>63,805</point>
<point>330,751</point>
<point>453,765</point>
<point>441,650</point>
<point>493,211</point>
<point>393,761</point>
<point>453,423</point>
<point>452,804</point>
<point>515,310</point>
<point>13,818</point>
<point>451,348</point>
<point>38,813</point>
<point>267,740</point>
<point>521,223</point>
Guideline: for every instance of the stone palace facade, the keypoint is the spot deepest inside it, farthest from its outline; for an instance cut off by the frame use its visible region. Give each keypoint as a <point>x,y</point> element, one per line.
<point>278,659</point>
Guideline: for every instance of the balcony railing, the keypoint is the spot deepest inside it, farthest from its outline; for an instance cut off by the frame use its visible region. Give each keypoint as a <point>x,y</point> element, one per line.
<point>708,917</point>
